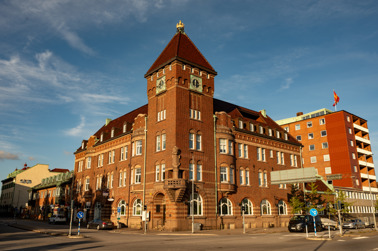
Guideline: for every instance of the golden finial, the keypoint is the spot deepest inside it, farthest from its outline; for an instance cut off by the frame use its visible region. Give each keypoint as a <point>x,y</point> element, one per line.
<point>180,27</point>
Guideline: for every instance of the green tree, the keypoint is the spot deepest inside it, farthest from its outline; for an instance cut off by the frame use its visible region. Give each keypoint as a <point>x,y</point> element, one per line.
<point>296,200</point>
<point>314,199</point>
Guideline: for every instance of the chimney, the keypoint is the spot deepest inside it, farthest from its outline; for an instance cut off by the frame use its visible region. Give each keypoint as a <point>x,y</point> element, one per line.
<point>107,121</point>
<point>263,112</point>
<point>299,114</point>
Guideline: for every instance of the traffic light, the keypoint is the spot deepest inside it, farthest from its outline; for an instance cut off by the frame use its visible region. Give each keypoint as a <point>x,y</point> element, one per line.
<point>145,207</point>
<point>243,208</point>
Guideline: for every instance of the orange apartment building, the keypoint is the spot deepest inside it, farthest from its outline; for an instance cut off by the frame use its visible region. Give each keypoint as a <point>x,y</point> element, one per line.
<point>150,158</point>
<point>339,143</point>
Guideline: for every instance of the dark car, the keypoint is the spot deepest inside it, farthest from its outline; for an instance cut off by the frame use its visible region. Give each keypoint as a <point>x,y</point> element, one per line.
<point>100,224</point>
<point>298,223</point>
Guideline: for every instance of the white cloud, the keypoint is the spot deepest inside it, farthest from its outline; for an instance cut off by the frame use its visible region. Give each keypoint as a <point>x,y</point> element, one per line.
<point>78,130</point>
<point>287,84</point>
<point>9,156</point>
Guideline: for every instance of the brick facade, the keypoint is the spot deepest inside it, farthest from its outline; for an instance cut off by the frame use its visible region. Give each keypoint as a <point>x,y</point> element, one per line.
<point>184,128</point>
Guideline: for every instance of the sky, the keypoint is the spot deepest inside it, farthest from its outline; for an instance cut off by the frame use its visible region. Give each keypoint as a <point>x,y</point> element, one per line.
<point>67,65</point>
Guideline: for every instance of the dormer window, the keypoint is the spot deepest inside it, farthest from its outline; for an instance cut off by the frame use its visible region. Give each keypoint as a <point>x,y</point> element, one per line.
<point>251,127</point>
<point>278,134</point>
<point>82,145</point>
<point>183,67</point>
<point>102,137</point>
<point>152,77</point>
<point>270,132</point>
<point>261,129</point>
<point>286,136</point>
<point>170,67</point>
<point>124,128</point>
<point>241,124</point>
<point>163,71</point>
<point>112,133</point>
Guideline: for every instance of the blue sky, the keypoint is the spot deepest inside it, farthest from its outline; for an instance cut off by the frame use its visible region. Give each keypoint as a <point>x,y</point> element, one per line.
<point>67,65</point>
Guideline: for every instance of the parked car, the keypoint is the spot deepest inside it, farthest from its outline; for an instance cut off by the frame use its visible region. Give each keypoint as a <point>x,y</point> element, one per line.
<point>100,224</point>
<point>328,222</point>
<point>298,223</point>
<point>57,219</point>
<point>355,223</point>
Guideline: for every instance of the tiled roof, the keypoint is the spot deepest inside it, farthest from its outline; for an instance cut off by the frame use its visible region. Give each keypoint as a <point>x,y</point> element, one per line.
<point>60,170</point>
<point>255,117</point>
<point>181,48</point>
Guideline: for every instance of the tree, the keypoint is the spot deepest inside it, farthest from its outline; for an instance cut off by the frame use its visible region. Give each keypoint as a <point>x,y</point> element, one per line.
<point>296,200</point>
<point>314,199</point>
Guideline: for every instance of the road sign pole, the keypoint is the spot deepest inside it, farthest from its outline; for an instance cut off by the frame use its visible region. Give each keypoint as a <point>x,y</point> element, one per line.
<point>78,228</point>
<point>314,226</point>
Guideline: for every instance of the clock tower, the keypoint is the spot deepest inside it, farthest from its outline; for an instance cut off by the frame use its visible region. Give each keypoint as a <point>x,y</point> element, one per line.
<point>180,132</point>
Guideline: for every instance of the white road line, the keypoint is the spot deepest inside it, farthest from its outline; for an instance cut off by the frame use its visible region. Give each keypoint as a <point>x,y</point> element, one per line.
<point>361,237</point>
<point>340,240</point>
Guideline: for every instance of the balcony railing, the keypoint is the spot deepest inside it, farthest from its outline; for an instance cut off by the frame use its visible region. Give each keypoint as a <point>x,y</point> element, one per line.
<point>362,151</point>
<point>367,189</point>
<point>361,128</point>
<point>365,163</point>
<point>366,141</point>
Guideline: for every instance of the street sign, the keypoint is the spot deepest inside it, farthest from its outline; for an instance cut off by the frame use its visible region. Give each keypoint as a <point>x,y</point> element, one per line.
<point>118,209</point>
<point>334,176</point>
<point>313,212</point>
<point>80,215</point>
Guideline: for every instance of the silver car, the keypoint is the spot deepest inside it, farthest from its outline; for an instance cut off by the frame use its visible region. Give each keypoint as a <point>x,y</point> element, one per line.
<point>355,223</point>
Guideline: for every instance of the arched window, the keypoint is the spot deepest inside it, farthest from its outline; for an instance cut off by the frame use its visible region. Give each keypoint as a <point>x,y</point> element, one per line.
<point>197,205</point>
<point>225,207</point>
<point>248,207</point>
<point>122,206</point>
<point>137,207</point>
<point>282,208</point>
<point>265,207</point>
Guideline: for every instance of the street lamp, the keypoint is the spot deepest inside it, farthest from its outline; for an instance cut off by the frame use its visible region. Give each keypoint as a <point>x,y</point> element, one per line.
<point>192,200</point>
<point>371,196</point>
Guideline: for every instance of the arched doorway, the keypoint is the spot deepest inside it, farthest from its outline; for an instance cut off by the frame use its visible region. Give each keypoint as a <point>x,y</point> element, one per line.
<point>159,211</point>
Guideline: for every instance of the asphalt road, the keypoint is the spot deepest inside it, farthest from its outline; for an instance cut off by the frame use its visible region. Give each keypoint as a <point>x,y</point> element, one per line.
<point>12,238</point>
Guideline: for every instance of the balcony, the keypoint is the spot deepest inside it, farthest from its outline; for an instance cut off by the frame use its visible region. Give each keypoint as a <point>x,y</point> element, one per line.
<point>364,163</point>
<point>361,128</point>
<point>175,188</point>
<point>367,189</point>
<point>367,176</point>
<point>366,141</point>
<point>227,188</point>
<point>365,152</point>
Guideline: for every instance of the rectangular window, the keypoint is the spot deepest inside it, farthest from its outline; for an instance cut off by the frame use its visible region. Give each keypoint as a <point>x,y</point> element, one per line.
<point>328,170</point>
<point>133,149</point>
<point>111,180</point>
<point>271,154</point>
<point>113,156</point>
<point>313,159</point>
<point>158,143</point>
<point>162,172</point>
<point>265,179</point>
<point>282,159</point>
<point>138,175</point>
<point>120,179</point>
<point>245,151</point>
<point>122,155</point>
<point>89,162</point>
<point>260,178</point>
<point>87,184</point>
<point>310,136</point>
<point>278,158</point>
<point>231,176</point>
<point>191,171</point>
<point>261,129</point>
<point>270,132</point>
<point>297,127</point>
<point>240,149</point>
<point>309,124</point>
<point>299,137</point>
<point>323,133</point>
<point>163,141</point>
<point>223,174</point>
<point>324,145</point>
<point>322,121</point>
<point>350,130</point>
<point>157,173</point>
<point>222,145</point>
<point>351,143</point>
<point>230,147</point>
<point>198,142</point>
<point>241,177</point>
<point>251,127</point>
<point>312,147</point>
<point>138,147</point>
<point>247,177</point>
<point>278,135</point>
<point>240,124</point>
<point>263,154</point>
<point>326,157</point>
<point>295,160</point>
<point>124,178</point>
<point>199,172</point>
<point>258,153</point>
<point>191,140</point>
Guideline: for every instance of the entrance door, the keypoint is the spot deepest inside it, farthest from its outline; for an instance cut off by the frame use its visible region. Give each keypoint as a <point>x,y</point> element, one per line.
<point>97,211</point>
<point>159,211</point>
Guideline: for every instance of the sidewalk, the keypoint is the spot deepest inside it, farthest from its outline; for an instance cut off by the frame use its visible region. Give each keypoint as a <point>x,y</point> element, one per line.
<point>63,230</point>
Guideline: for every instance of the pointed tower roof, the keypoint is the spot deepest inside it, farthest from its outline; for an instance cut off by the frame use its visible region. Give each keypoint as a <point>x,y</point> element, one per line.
<point>183,49</point>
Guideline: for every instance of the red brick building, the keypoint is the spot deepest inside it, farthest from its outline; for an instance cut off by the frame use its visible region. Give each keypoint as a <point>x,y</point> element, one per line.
<point>339,143</point>
<point>148,158</point>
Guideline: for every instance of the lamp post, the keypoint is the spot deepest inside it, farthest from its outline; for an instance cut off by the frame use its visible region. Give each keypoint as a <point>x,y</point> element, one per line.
<point>371,196</point>
<point>192,200</point>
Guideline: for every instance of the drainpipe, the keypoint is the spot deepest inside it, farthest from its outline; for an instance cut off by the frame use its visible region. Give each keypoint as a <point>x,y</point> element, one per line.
<point>216,173</point>
<point>144,170</point>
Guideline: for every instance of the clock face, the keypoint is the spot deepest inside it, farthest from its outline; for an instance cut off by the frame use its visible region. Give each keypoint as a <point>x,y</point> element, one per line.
<point>160,85</point>
<point>195,83</point>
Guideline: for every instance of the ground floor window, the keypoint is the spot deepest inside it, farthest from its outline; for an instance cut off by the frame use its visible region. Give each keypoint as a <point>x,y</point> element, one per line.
<point>282,208</point>
<point>122,206</point>
<point>137,207</point>
<point>225,207</point>
<point>197,205</point>
<point>248,207</point>
<point>265,207</point>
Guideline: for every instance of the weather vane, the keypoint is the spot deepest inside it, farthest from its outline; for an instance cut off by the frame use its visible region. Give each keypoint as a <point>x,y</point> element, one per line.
<point>180,27</point>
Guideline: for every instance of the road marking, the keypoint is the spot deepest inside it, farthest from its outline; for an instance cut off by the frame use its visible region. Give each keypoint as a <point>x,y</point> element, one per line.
<point>340,240</point>
<point>362,237</point>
